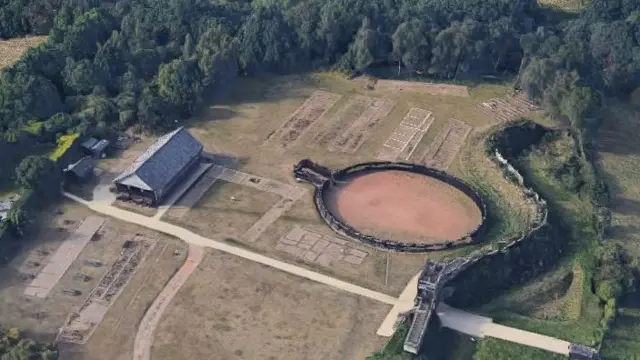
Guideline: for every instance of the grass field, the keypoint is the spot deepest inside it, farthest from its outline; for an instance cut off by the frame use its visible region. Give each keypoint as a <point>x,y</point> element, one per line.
<point>494,349</point>
<point>234,309</point>
<point>619,153</point>
<point>41,318</point>
<point>11,50</point>
<point>558,296</point>
<point>243,119</point>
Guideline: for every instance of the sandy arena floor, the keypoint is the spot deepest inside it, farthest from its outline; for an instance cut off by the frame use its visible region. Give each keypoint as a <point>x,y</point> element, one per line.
<point>405,206</point>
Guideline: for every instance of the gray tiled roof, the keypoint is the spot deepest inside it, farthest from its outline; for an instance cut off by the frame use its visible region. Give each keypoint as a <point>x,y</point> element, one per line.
<point>100,146</point>
<point>82,167</point>
<point>162,161</point>
<point>89,143</point>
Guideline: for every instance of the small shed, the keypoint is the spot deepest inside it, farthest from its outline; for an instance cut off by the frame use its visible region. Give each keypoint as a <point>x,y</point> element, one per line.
<point>81,169</point>
<point>95,147</point>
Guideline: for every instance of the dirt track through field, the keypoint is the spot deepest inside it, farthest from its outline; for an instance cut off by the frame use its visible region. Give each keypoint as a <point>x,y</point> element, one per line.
<point>405,206</point>
<point>144,337</point>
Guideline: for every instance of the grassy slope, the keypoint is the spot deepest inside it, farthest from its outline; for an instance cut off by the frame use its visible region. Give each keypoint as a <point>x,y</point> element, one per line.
<point>619,152</point>
<point>577,212</point>
<point>494,349</point>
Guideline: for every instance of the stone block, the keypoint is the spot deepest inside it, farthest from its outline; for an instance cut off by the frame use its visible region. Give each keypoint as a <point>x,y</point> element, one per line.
<point>353,259</point>
<point>324,259</point>
<point>310,238</point>
<point>320,246</point>
<point>295,234</point>
<point>284,240</point>
<point>357,253</point>
<point>310,256</point>
<point>293,250</point>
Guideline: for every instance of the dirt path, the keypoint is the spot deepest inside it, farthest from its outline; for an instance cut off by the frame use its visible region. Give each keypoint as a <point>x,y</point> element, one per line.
<point>144,337</point>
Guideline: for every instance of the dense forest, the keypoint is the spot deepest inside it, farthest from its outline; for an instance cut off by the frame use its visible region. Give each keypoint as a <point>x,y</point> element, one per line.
<point>111,64</point>
<point>13,346</point>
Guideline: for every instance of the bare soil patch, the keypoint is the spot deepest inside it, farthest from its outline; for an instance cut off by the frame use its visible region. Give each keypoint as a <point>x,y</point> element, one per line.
<point>350,111</point>
<point>447,144</point>
<point>507,108</point>
<point>234,309</point>
<point>304,117</point>
<point>42,318</point>
<point>405,206</point>
<point>349,141</point>
<point>422,87</point>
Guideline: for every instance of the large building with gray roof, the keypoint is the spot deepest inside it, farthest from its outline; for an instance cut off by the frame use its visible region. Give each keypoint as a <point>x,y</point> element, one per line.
<point>161,167</point>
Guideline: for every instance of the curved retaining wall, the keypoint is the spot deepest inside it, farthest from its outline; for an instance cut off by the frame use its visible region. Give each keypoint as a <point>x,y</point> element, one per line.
<point>507,250</point>
<point>387,244</point>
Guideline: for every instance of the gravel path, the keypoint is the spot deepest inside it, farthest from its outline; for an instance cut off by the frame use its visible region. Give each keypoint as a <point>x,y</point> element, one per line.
<point>144,338</point>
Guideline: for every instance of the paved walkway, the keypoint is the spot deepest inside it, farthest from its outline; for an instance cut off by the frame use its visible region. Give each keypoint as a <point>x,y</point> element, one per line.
<point>144,337</point>
<point>195,239</point>
<point>480,326</point>
<point>177,193</point>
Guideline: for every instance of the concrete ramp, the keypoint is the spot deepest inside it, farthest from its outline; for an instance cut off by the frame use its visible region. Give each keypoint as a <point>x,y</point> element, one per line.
<point>480,326</point>
<point>63,257</point>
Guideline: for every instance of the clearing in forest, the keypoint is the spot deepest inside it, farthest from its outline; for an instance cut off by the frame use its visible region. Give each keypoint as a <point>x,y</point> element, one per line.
<point>12,50</point>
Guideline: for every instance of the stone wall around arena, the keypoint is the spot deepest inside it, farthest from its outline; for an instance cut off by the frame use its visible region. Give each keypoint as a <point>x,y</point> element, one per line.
<point>391,245</point>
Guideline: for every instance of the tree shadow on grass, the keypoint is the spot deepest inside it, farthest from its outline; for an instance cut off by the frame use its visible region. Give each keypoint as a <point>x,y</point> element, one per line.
<point>618,133</point>
<point>260,89</point>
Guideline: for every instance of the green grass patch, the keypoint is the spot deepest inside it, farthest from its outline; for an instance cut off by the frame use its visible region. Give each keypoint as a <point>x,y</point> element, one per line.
<point>621,342</point>
<point>34,127</point>
<point>557,296</point>
<point>561,303</point>
<point>393,348</point>
<point>619,161</point>
<point>494,349</point>
<point>64,143</point>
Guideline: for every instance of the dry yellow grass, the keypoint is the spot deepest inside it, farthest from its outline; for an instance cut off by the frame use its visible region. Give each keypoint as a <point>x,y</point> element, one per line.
<point>231,308</point>
<point>12,50</point>
<point>572,6</point>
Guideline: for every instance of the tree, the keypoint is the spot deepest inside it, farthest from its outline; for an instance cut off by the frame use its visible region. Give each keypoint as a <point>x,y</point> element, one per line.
<point>365,48</point>
<point>215,48</point>
<point>58,123</point>
<point>411,44</point>
<point>81,77</point>
<point>179,82</point>
<point>39,174</point>
<point>15,220</point>
<point>609,289</point>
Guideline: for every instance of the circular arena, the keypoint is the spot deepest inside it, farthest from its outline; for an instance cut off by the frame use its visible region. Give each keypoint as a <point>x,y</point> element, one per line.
<point>401,207</point>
